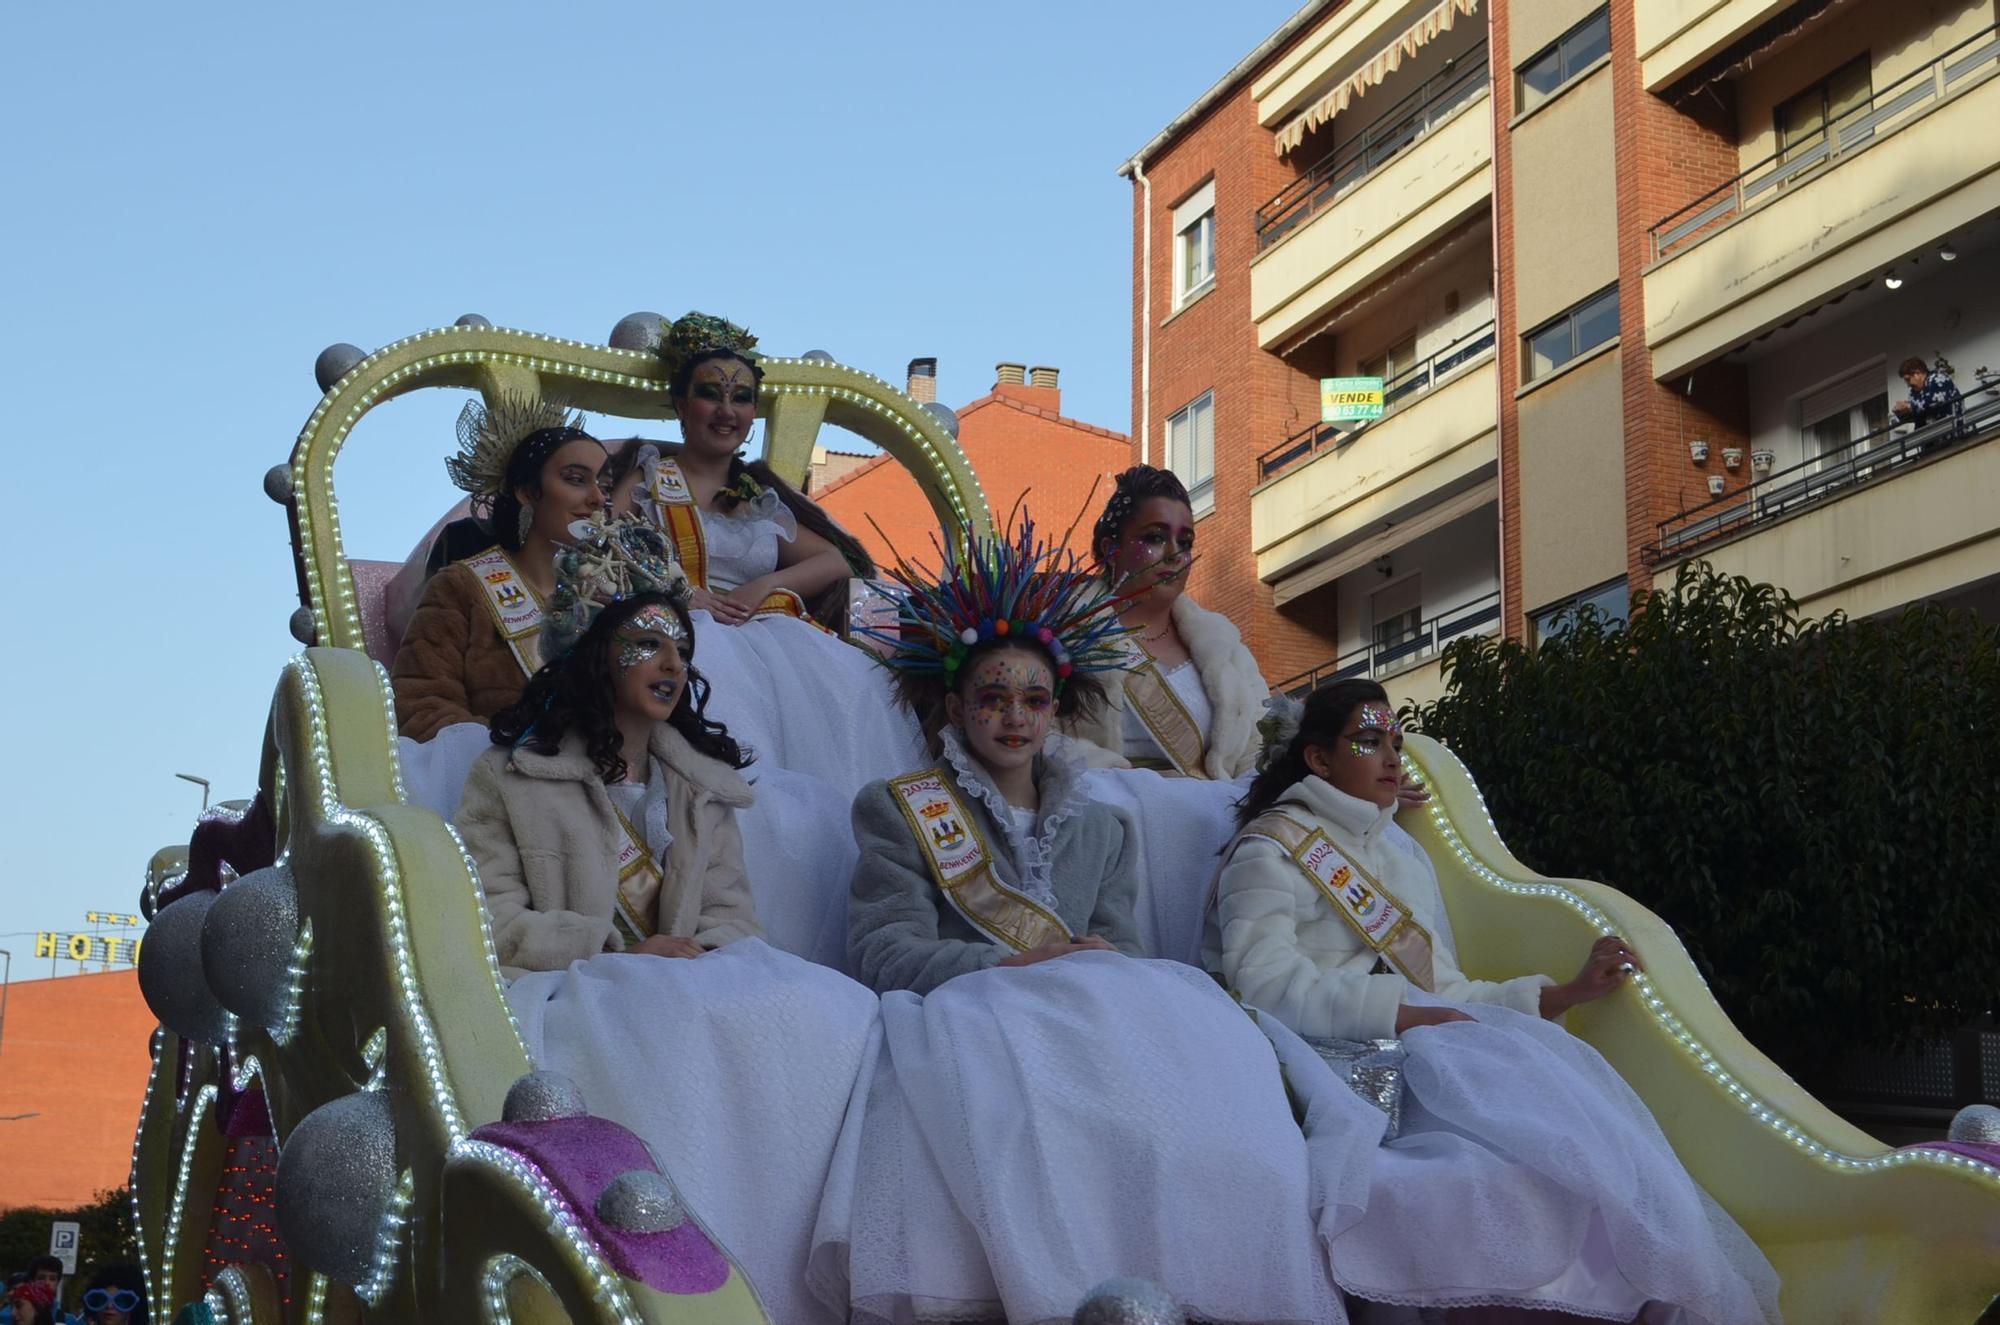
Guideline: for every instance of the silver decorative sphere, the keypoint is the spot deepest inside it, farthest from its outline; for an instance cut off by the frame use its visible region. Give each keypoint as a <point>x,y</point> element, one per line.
<point>817,356</point>
<point>472,320</point>
<point>641,1201</point>
<point>638,331</point>
<point>946,416</point>
<point>541,1096</point>
<point>302,626</point>
<point>1978,1124</point>
<point>247,944</point>
<point>278,484</point>
<point>170,973</point>
<point>336,1179</point>
<point>336,362</point>
<point>1129,1302</point>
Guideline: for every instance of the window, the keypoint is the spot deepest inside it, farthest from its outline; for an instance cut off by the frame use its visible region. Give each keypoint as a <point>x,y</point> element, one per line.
<point>1562,338</point>
<point>1562,60</point>
<point>1194,245</point>
<point>1841,412</point>
<point>1398,358</point>
<point>1398,615</point>
<point>1610,600</point>
<point>1802,121</point>
<point>1191,450</point>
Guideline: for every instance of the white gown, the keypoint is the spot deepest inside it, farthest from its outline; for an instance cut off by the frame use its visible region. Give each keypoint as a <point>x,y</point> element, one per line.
<point>1527,1173</point>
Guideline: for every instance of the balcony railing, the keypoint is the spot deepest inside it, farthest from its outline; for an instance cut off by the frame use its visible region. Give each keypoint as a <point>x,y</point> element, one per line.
<point>1379,659</point>
<point>1462,78</point>
<point>1935,82</point>
<point>1876,455</point>
<point>1406,385</point>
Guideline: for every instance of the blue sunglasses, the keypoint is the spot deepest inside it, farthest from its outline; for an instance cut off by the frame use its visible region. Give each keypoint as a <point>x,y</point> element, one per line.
<point>124,1300</point>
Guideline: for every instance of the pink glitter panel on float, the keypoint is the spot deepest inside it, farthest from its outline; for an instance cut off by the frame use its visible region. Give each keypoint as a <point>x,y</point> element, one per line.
<point>581,1156</point>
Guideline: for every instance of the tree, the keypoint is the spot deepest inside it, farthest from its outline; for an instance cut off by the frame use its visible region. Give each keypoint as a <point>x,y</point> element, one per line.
<point>1814,805</point>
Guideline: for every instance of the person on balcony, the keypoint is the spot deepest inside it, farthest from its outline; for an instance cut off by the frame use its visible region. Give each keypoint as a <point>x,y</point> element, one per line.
<point>1189,703</point>
<point>1933,395</point>
<point>1049,1108</point>
<point>603,820</point>
<point>1525,1168</point>
<point>470,647</point>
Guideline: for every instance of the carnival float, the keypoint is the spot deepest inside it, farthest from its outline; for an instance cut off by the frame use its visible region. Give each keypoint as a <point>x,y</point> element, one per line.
<point>343,1123</point>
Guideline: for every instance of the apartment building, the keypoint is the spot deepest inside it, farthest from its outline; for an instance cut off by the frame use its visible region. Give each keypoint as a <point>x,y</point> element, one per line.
<point>1638,278</point>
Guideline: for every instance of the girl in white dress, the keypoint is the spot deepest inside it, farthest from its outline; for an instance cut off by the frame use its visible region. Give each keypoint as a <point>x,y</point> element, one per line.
<point>771,565</point>
<point>1526,1173</point>
<point>1047,1110</point>
<point>603,820</point>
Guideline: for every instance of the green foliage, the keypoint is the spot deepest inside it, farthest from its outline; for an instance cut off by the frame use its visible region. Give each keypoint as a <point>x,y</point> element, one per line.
<point>1813,805</point>
<point>105,1234</point>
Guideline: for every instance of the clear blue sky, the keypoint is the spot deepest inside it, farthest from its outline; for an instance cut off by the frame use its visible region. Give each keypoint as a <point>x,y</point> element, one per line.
<point>198,198</point>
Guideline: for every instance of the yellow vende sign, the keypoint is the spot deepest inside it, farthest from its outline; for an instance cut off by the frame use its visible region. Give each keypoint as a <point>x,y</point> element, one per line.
<point>1344,399</point>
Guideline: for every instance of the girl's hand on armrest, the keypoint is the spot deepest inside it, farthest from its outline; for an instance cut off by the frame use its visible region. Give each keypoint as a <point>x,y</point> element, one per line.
<point>1610,964</point>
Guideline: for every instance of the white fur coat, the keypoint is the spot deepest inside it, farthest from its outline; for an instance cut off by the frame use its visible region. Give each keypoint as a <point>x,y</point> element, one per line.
<point>1229,677</point>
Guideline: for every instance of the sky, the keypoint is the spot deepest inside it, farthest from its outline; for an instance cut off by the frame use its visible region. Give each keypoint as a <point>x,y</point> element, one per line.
<point>199,198</point>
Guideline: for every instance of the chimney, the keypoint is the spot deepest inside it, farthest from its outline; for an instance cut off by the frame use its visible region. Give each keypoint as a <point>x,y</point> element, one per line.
<point>1010,374</point>
<point>923,380</point>
<point>1043,376</point>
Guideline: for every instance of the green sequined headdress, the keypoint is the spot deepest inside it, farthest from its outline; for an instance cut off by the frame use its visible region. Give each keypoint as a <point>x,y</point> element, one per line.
<point>696,333</point>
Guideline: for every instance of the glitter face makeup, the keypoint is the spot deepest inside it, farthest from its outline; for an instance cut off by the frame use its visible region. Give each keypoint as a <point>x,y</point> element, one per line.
<point>1155,547</point>
<point>720,405</point>
<point>724,379</point>
<point>1366,759</point>
<point>1373,719</point>
<point>1005,707</point>
<point>651,660</point>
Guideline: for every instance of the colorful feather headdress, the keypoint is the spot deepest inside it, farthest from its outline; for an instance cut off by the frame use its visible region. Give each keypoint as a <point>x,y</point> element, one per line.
<point>695,333</point>
<point>611,559</point>
<point>999,587</point>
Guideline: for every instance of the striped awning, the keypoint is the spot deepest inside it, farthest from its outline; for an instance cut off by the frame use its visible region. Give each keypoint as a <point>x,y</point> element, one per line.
<point>1379,66</point>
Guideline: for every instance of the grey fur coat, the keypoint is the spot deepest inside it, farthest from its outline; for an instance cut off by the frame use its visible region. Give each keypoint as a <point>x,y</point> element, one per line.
<point>901,931</point>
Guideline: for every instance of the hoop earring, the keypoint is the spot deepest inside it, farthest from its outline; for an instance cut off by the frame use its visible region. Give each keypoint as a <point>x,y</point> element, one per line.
<point>524,522</point>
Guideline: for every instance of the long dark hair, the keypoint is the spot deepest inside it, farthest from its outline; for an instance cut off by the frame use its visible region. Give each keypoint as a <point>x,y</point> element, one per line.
<point>1137,484</point>
<point>1327,711</point>
<point>829,606</point>
<point>502,511</point>
<point>575,691</point>
<point>120,1274</point>
<point>924,693</point>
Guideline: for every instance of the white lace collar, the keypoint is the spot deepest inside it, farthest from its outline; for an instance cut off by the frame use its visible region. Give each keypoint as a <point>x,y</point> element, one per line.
<point>1059,783</point>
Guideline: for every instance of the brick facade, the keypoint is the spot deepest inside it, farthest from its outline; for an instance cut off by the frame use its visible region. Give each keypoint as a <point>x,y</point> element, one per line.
<point>1025,452</point>
<point>1211,344</point>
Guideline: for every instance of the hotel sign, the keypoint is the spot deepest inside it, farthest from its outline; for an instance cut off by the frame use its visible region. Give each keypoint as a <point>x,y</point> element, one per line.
<point>1348,399</point>
<point>109,949</point>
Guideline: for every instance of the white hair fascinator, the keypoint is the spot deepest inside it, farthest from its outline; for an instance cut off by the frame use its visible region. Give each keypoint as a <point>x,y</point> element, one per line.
<point>1279,727</point>
<point>612,559</point>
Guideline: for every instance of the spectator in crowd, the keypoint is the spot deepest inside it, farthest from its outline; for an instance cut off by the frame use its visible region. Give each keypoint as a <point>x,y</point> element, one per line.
<point>1933,395</point>
<point>116,1296</point>
<point>46,1271</point>
<point>32,1302</point>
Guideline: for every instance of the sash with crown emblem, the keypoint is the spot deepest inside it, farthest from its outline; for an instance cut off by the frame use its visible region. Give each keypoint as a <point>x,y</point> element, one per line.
<point>1371,910</point>
<point>517,612</point>
<point>962,865</point>
<point>1173,728</point>
<point>635,864</point>
<point>680,521</point>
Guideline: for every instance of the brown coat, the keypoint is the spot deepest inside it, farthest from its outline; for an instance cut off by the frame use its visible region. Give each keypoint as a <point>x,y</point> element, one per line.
<point>452,666</point>
<point>544,834</point>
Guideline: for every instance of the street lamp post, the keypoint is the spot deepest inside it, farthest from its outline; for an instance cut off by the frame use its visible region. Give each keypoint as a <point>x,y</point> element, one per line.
<point>200,782</point>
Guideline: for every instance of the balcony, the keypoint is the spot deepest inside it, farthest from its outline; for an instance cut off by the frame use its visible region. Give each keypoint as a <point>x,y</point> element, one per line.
<point>1380,198</point>
<point>1396,391</point>
<point>1676,35</point>
<point>1898,514</point>
<point>1381,659</point>
<point>1332,488</point>
<point>1892,175</point>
